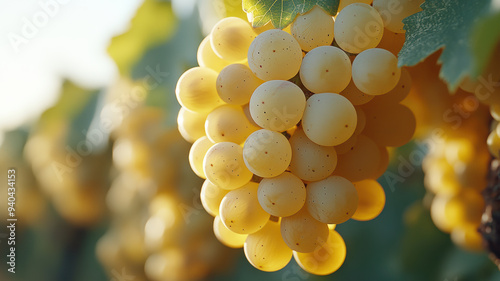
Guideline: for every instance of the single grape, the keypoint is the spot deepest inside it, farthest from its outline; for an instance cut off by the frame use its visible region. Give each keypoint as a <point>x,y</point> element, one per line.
<point>241,212</point>
<point>302,233</point>
<point>311,161</point>
<point>274,55</point>
<point>375,71</point>
<point>329,119</point>
<point>223,165</point>
<point>226,236</point>
<point>358,27</point>
<point>326,259</point>
<point>228,123</point>
<point>282,196</point>
<point>266,250</point>
<point>332,200</point>
<point>313,29</point>
<point>325,69</point>
<point>207,58</point>
<point>196,90</point>
<point>371,201</point>
<point>267,153</point>
<point>236,84</point>
<point>211,195</point>
<point>231,37</point>
<point>191,124</point>
<point>197,154</point>
<point>277,105</point>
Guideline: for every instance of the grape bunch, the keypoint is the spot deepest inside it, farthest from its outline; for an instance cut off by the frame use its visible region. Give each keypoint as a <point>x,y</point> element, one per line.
<point>290,130</point>
<point>157,229</point>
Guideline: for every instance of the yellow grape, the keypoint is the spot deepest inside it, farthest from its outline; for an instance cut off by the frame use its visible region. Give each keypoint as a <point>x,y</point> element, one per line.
<point>224,166</point>
<point>400,91</point>
<point>231,37</point>
<point>358,27</point>
<point>329,119</point>
<point>241,212</point>
<point>332,200</point>
<point>302,233</point>
<point>494,144</point>
<point>266,250</point>
<point>325,69</point>
<point>345,3</point>
<point>440,178</point>
<point>228,123</point>
<point>460,150</point>
<point>389,124</point>
<point>282,196</point>
<point>196,90</point>
<point>207,58</point>
<point>371,200</point>
<point>263,28</point>
<point>393,12</point>
<point>277,105</point>
<point>236,83</point>
<point>354,95</point>
<point>361,162</point>
<point>211,195</point>
<point>267,153</point>
<point>326,259</point>
<point>191,124</point>
<point>375,71</point>
<point>275,55</point>
<point>226,236</point>
<point>311,161</point>
<point>197,154</point>
<point>313,29</point>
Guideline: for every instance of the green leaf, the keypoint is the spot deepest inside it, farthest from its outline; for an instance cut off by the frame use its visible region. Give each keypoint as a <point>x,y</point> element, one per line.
<point>484,39</point>
<point>282,13</point>
<point>447,25</point>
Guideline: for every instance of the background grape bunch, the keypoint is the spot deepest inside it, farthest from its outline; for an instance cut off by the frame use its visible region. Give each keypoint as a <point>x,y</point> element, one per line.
<point>291,128</point>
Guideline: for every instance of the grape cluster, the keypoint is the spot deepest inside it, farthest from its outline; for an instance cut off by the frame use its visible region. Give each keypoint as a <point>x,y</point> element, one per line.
<point>290,131</point>
<point>157,229</point>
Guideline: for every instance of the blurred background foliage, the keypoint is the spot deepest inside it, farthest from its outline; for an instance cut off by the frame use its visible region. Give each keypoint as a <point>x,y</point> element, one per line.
<point>62,185</point>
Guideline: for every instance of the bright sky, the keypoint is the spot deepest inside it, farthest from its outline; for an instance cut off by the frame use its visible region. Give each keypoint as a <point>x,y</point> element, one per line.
<point>40,45</point>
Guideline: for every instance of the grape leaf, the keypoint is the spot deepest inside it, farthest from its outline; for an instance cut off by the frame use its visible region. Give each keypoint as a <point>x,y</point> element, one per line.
<point>447,25</point>
<point>282,13</point>
<point>485,36</point>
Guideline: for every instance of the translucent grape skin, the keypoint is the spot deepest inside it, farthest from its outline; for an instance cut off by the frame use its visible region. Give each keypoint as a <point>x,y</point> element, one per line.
<point>354,95</point>
<point>211,195</point>
<point>332,200</point>
<point>371,200</point>
<point>207,58</point>
<point>196,91</point>
<point>313,29</point>
<point>375,71</point>
<point>311,161</point>
<point>282,196</point>
<point>393,13</point>
<point>400,91</point>
<point>223,165</point>
<point>236,84</point>
<point>302,233</point>
<point>266,250</point>
<point>230,38</point>
<point>191,124</point>
<point>267,153</point>
<point>241,212</point>
<point>329,119</point>
<point>197,154</point>
<point>326,259</point>
<point>274,55</point>
<point>325,69</point>
<point>277,105</point>
<point>228,123</point>
<point>226,236</point>
<point>361,162</point>
<point>358,27</point>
